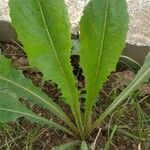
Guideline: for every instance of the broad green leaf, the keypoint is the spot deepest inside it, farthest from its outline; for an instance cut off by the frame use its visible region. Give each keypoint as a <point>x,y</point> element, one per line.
<point>14,81</point>
<point>84,146</point>
<point>43,28</point>
<point>103,29</point>
<point>142,76</point>
<point>67,146</point>
<point>11,109</point>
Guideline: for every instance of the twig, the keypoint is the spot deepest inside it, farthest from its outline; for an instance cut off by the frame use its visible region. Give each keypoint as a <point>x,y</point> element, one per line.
<point>94,143</point>
<point>139,146</point>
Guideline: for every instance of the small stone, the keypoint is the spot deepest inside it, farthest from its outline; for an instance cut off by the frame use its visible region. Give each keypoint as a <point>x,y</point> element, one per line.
<point>47,134</point>
<point>20,62</point>
<point>40,114</point>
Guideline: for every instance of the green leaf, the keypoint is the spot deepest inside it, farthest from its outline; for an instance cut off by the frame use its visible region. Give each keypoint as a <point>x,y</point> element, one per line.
<point>43,28</point>
<point>142,76</point>
<point>67,146</point>
<point>103,29</point>
<point>107,146</point>
<point>131,63</point>
<point>11,109</point>
<point>84,146</point>
<point>14,81</point>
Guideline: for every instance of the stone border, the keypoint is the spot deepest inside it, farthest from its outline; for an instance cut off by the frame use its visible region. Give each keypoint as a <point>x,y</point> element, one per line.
<point>138,53</point>
<point>139,18</point>
<point>7,33</point>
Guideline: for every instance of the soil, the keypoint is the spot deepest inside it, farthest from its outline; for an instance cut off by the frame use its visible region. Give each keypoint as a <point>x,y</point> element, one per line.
<point>46,138</point>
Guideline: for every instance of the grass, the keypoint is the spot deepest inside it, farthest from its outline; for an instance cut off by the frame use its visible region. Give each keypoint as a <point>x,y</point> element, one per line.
<point>130,124</point>
<point>14,135</point>
<point>130,121</point>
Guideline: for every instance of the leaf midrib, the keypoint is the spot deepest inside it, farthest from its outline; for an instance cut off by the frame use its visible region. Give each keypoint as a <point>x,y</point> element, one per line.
<point>27,90</point>
<point>38,118</point>
<point>54,50</point>
<point>100,54</point>
<point>32,93</point>
<point>102,44</point>
<point>73,93</point>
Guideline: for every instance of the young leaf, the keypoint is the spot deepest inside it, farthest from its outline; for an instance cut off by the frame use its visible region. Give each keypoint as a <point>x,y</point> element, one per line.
<point>43,28</point>
<point>84,146</point>
<point>103,29</point>
<point>142,76</point>
<point>13,80</point>
<point>11,109</point>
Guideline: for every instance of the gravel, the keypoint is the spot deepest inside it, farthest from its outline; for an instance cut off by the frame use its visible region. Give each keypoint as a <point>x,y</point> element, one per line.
<point>139,13</point>
<point>4,10</point>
